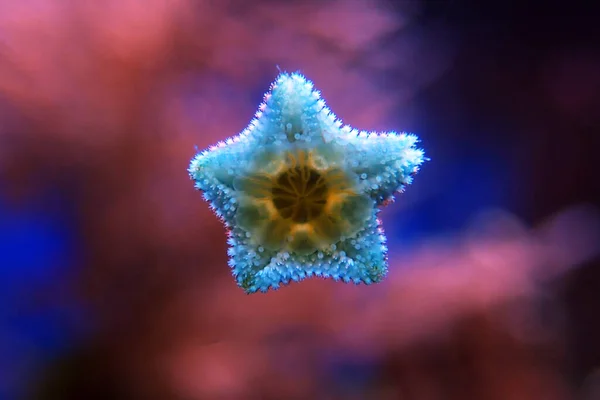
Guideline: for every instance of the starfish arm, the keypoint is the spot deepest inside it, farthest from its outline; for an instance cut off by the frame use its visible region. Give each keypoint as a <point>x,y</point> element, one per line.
<point>214,171</point>
<point>384,162</point>
<point>290,113</point>
<point>246,259</point>
<point>389,161</point>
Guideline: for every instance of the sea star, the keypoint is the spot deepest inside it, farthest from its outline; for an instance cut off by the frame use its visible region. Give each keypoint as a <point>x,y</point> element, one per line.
<point>300,193</point>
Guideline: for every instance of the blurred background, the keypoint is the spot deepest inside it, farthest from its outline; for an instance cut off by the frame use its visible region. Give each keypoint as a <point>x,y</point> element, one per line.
<point>111,288</point>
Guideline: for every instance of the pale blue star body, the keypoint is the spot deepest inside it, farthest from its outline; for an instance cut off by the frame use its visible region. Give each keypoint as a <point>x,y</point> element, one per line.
<point>300,192</point>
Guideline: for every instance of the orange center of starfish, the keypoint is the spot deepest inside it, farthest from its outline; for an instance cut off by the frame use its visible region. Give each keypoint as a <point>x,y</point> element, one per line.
<point>300,194</point>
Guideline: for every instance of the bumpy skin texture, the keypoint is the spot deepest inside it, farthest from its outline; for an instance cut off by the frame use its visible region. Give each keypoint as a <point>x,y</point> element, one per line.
<point>300,193</point>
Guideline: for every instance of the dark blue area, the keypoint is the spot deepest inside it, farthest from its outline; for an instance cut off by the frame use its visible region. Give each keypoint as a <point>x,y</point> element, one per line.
<point>31,244</point>
<point>350,375</point>
<point>480,184</point>
<point>37,247</point>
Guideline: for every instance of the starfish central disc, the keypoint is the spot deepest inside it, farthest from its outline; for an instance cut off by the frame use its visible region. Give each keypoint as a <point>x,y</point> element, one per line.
<point>300,194</point>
